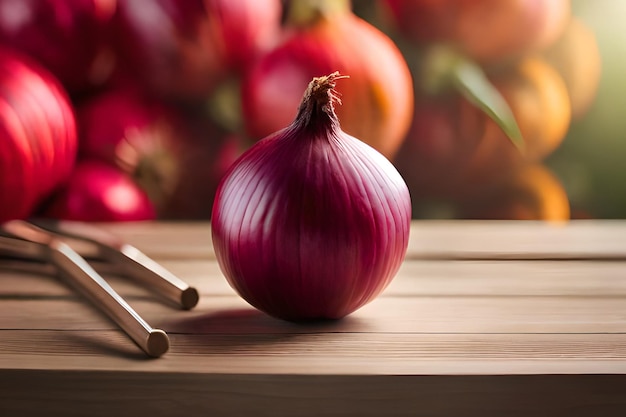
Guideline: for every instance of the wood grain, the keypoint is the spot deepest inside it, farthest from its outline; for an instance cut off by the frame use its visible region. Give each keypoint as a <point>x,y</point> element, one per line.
<point>421,278</point>
<point>230,314</point>
<point>323,353</point>
<point>482,319</point>
<point>429,239</point>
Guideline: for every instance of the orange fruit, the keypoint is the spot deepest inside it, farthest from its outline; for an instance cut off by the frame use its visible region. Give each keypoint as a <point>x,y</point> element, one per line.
<point>492,30</point>
<point>576,57</point>
<point>531,192</point>
<point>485,30</point>
<point>539,100</point>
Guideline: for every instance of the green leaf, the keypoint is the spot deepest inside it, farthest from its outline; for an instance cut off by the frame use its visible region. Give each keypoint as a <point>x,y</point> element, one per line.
<point>472,82</point>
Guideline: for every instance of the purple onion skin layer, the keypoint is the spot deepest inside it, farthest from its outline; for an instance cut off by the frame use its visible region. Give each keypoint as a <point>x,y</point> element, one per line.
<point>311,223</point>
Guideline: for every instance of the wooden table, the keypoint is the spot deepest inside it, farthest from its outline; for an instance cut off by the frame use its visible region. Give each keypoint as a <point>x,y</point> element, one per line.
<point>503,319</point>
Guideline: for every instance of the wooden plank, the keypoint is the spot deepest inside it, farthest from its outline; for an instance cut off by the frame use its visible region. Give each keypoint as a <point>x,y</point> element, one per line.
<point>167,240</point>
<point>25,393</point>
<point>448,337</point>
<point>426,296</point>
<point>428,314</point>
<point>479,314</point>
<point>579,239</point>
<point>23,280</point>
<point>420,278</point>
<point>323,353</point>
<point>430,239</point>
<point>509,278</point>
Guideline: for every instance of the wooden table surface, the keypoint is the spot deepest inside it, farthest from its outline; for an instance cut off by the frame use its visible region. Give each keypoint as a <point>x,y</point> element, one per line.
<point>503,319</point>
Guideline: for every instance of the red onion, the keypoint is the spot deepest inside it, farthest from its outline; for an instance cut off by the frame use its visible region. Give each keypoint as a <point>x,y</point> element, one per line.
<point>140,136</point>
<point>310,222</point>
<point>99,192</point>
<point>241,29</point>
<point>117,118</point>
<point>67,37</point>
<point>38,132</point>
<point>204,155</point>
<point>171,155</point>
<point>162,45</point>
<point>182,49</point>
<point>329,37</point>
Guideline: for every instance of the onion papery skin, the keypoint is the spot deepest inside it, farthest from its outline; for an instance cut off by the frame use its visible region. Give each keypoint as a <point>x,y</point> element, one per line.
<point>378,102</point>
<point>311,223</point>
<point>69,38</point>
<point>38,139</point>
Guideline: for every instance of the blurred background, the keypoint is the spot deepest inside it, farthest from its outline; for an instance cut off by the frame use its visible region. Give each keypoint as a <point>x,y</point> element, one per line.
<point>123,110</point>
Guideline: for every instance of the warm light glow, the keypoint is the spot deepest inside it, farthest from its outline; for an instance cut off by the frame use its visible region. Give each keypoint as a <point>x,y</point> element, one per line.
<point>15,14</point>
<point>121,197</point>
